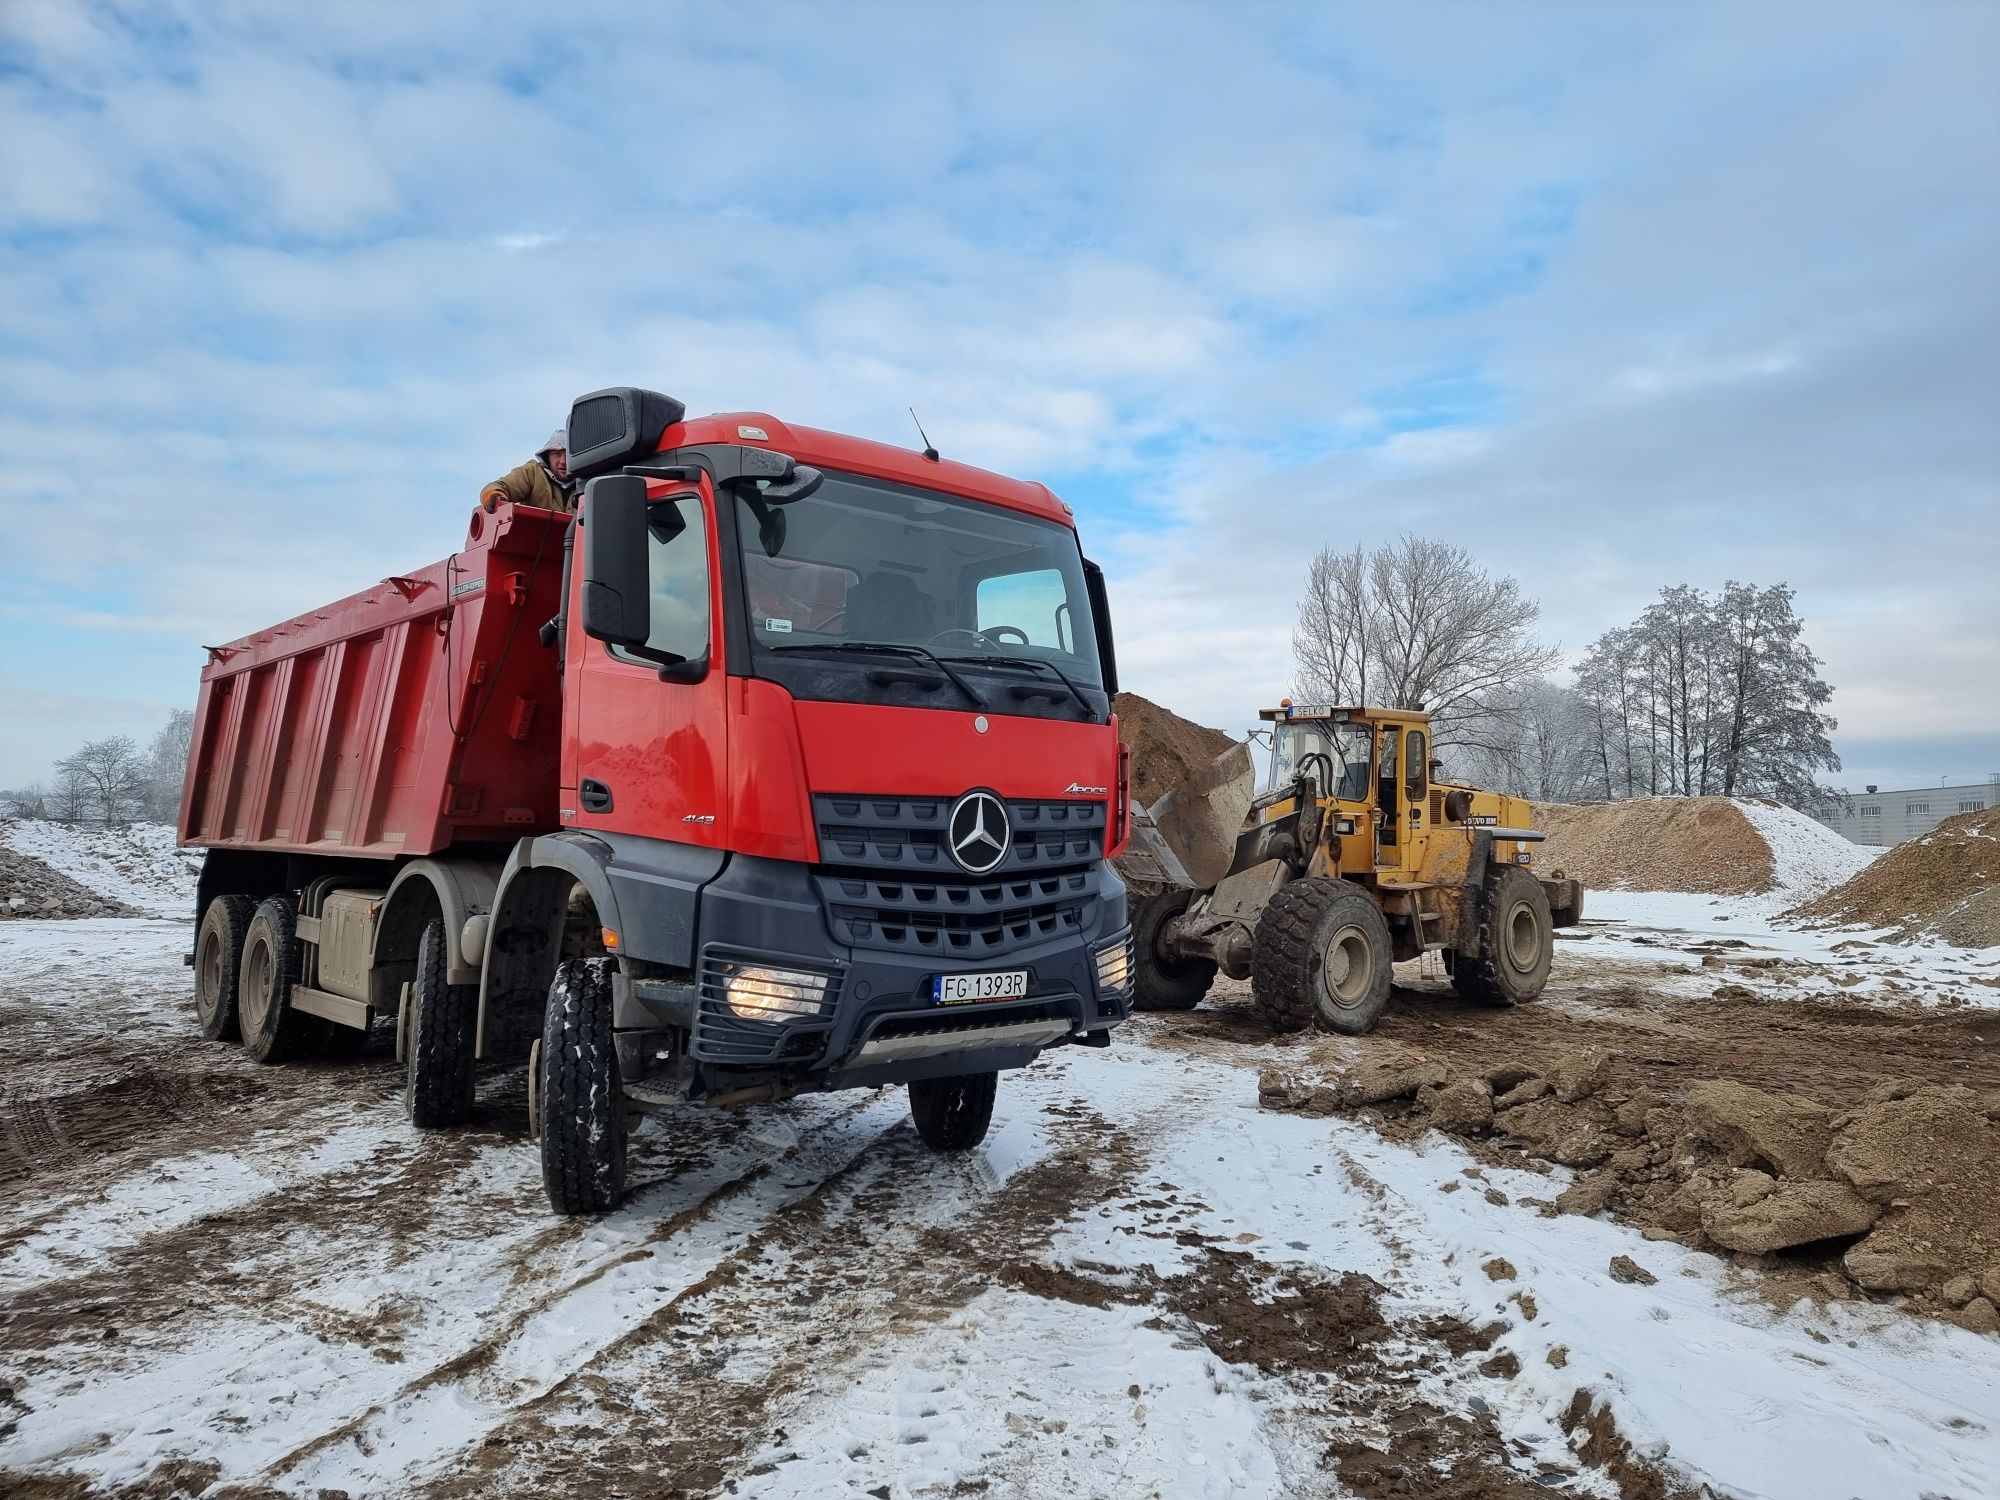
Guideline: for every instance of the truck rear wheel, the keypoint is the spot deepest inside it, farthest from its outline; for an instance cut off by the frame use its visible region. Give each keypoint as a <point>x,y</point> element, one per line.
<point>218,959</point>
<point>273,1032</point>
<point>1322,957</point>
<point>1515,946</point>
<point>952,1114</point>
<point>582,1109</point>
<point>1165,981</point>
<point>438,1039</point>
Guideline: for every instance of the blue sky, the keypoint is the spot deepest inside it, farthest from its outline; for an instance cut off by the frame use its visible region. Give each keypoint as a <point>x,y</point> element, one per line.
<point>1617,296</point>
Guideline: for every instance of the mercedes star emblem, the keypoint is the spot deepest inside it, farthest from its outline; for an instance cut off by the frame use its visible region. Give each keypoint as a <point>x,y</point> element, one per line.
<point>978,832</point>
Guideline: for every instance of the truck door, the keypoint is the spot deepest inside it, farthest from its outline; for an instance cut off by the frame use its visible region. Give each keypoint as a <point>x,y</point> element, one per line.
<point>1388,800</point>
<point>643,748</point>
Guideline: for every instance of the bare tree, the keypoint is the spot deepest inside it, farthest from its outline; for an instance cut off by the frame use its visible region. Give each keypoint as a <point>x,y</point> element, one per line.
<point>1543,745</point>
<point>1418,624</point>
<point>31,801</point>
<point>70,795</point>
<point>111,773</point>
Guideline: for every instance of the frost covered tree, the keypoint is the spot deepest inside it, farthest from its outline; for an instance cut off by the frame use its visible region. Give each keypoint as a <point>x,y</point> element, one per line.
<point>1541,745</point>
<point>1419,624</point>
<point>166,765</point>
<point>1705,695</point>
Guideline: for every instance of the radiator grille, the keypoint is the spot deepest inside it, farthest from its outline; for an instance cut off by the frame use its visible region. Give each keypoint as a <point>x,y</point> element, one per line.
<point>888,883</point>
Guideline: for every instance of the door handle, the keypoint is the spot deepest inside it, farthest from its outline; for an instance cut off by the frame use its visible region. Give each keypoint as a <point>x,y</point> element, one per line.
<point>596,796</point>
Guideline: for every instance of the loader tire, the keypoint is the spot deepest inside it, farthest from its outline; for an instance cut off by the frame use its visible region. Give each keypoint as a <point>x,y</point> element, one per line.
<point>1164,981</point>
<point>952,1114</point>
<point>1509,964</point>
<point>1322,958</point>
<point>438,1039</point>
<point>218,958</point>
<point>582,1108</point>
<point>273,1032</point>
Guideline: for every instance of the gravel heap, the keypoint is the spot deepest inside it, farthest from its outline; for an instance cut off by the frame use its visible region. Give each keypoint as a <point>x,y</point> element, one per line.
<point>1166,749</point>
<point>29,888</point>
<point>1944,885</point>
<point>1701,844</point>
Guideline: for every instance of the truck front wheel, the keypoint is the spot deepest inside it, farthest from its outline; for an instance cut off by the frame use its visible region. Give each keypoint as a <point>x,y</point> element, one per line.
<point>952,1114</point>
<point>438,1082</point>
<point>582,1095</point>
<point>273,1031</point>
<point>218,959</point>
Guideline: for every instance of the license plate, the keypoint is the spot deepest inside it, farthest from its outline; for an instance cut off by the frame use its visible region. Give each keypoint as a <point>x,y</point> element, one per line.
<point>969,989</point>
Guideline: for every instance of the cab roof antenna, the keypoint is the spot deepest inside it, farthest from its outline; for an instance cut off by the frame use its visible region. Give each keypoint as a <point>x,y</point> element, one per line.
<point>929,452</point>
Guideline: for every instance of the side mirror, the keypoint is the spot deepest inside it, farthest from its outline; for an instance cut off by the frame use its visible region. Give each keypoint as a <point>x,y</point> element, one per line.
<point>1100,619</point>
<point>617,591</point>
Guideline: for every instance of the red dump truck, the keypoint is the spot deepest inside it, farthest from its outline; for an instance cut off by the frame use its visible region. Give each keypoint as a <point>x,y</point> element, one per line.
<point>789,766</point>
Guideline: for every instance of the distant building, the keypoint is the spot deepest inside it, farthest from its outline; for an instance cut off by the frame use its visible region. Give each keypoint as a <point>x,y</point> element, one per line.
<point>1879,818</point>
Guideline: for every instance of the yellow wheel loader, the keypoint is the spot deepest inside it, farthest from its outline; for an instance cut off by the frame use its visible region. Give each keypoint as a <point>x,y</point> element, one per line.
<point>1349,860</point>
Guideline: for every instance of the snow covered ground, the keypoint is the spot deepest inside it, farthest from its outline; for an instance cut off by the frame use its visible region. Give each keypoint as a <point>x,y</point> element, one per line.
<point>267,1274</point>
<point>137,864</point>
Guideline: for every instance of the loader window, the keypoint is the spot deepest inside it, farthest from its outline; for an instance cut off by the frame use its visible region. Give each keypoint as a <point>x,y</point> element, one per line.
<point>1345,746</point>
<point>677,558</point>
<point>1416,774</point>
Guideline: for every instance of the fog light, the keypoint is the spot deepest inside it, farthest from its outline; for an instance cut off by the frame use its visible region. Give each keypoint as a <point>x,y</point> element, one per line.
<point>754,993</point>
<point>1114,965</point>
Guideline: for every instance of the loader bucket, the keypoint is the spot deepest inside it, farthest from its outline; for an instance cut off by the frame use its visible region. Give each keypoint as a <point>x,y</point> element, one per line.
<point>1189,836</point>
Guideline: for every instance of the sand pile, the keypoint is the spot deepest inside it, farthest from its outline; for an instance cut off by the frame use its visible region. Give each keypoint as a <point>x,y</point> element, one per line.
<point>1891,1193</point>
<point>1166,749</point>
<point>1943,885</point>
<point>1657,844</point>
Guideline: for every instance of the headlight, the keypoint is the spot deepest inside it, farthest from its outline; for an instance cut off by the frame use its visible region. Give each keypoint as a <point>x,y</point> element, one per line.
<point>1114,965</point>
<point>755,993</point>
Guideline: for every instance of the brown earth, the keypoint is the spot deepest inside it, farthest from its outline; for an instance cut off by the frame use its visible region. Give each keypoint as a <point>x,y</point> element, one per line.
<point>1945,884</point>
<point>1834,1150</point>
<point>1656,844</point>
<point>1166,749</point>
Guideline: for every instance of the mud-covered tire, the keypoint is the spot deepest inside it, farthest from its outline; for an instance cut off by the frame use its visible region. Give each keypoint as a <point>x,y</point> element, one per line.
<point>952,1114</point>
<point>582,1106</point>
<point>218,962</point>
<point>1162,981</point>
<point>438,1039</point>
<point>1322,957</point>
<point>273,1032</point>
<point>1509,964</point>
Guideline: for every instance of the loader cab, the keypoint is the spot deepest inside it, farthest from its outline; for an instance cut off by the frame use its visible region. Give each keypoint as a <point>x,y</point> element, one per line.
<point>1376,759</point>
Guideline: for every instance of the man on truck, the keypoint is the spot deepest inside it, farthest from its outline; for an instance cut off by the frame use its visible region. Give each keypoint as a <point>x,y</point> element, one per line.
<point>818,789</point>
<point>542,481</point>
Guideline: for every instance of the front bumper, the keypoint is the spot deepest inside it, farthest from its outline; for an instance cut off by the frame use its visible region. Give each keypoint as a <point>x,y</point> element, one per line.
<point>878,1023</point>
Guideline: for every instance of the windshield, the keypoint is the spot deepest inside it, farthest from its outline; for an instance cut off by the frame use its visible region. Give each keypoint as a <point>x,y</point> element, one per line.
<point>866,561</point>
<point>1345,747</point>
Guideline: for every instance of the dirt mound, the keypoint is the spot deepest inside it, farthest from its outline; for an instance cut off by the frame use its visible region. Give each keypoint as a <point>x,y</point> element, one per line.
<point>1945,884</point>
<point>29,888</point>
<point>1657,844</point>
<point>1893,1195</point>
<point>1166,749</point>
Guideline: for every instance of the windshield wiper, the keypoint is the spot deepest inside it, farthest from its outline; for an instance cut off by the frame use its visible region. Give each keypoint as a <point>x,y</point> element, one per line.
<point>886,648</point>
<point>1030,661</point>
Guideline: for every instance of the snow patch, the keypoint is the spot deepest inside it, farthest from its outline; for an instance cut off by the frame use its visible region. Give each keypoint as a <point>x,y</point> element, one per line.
<point>1807,857</point>
<point>138,864</point>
